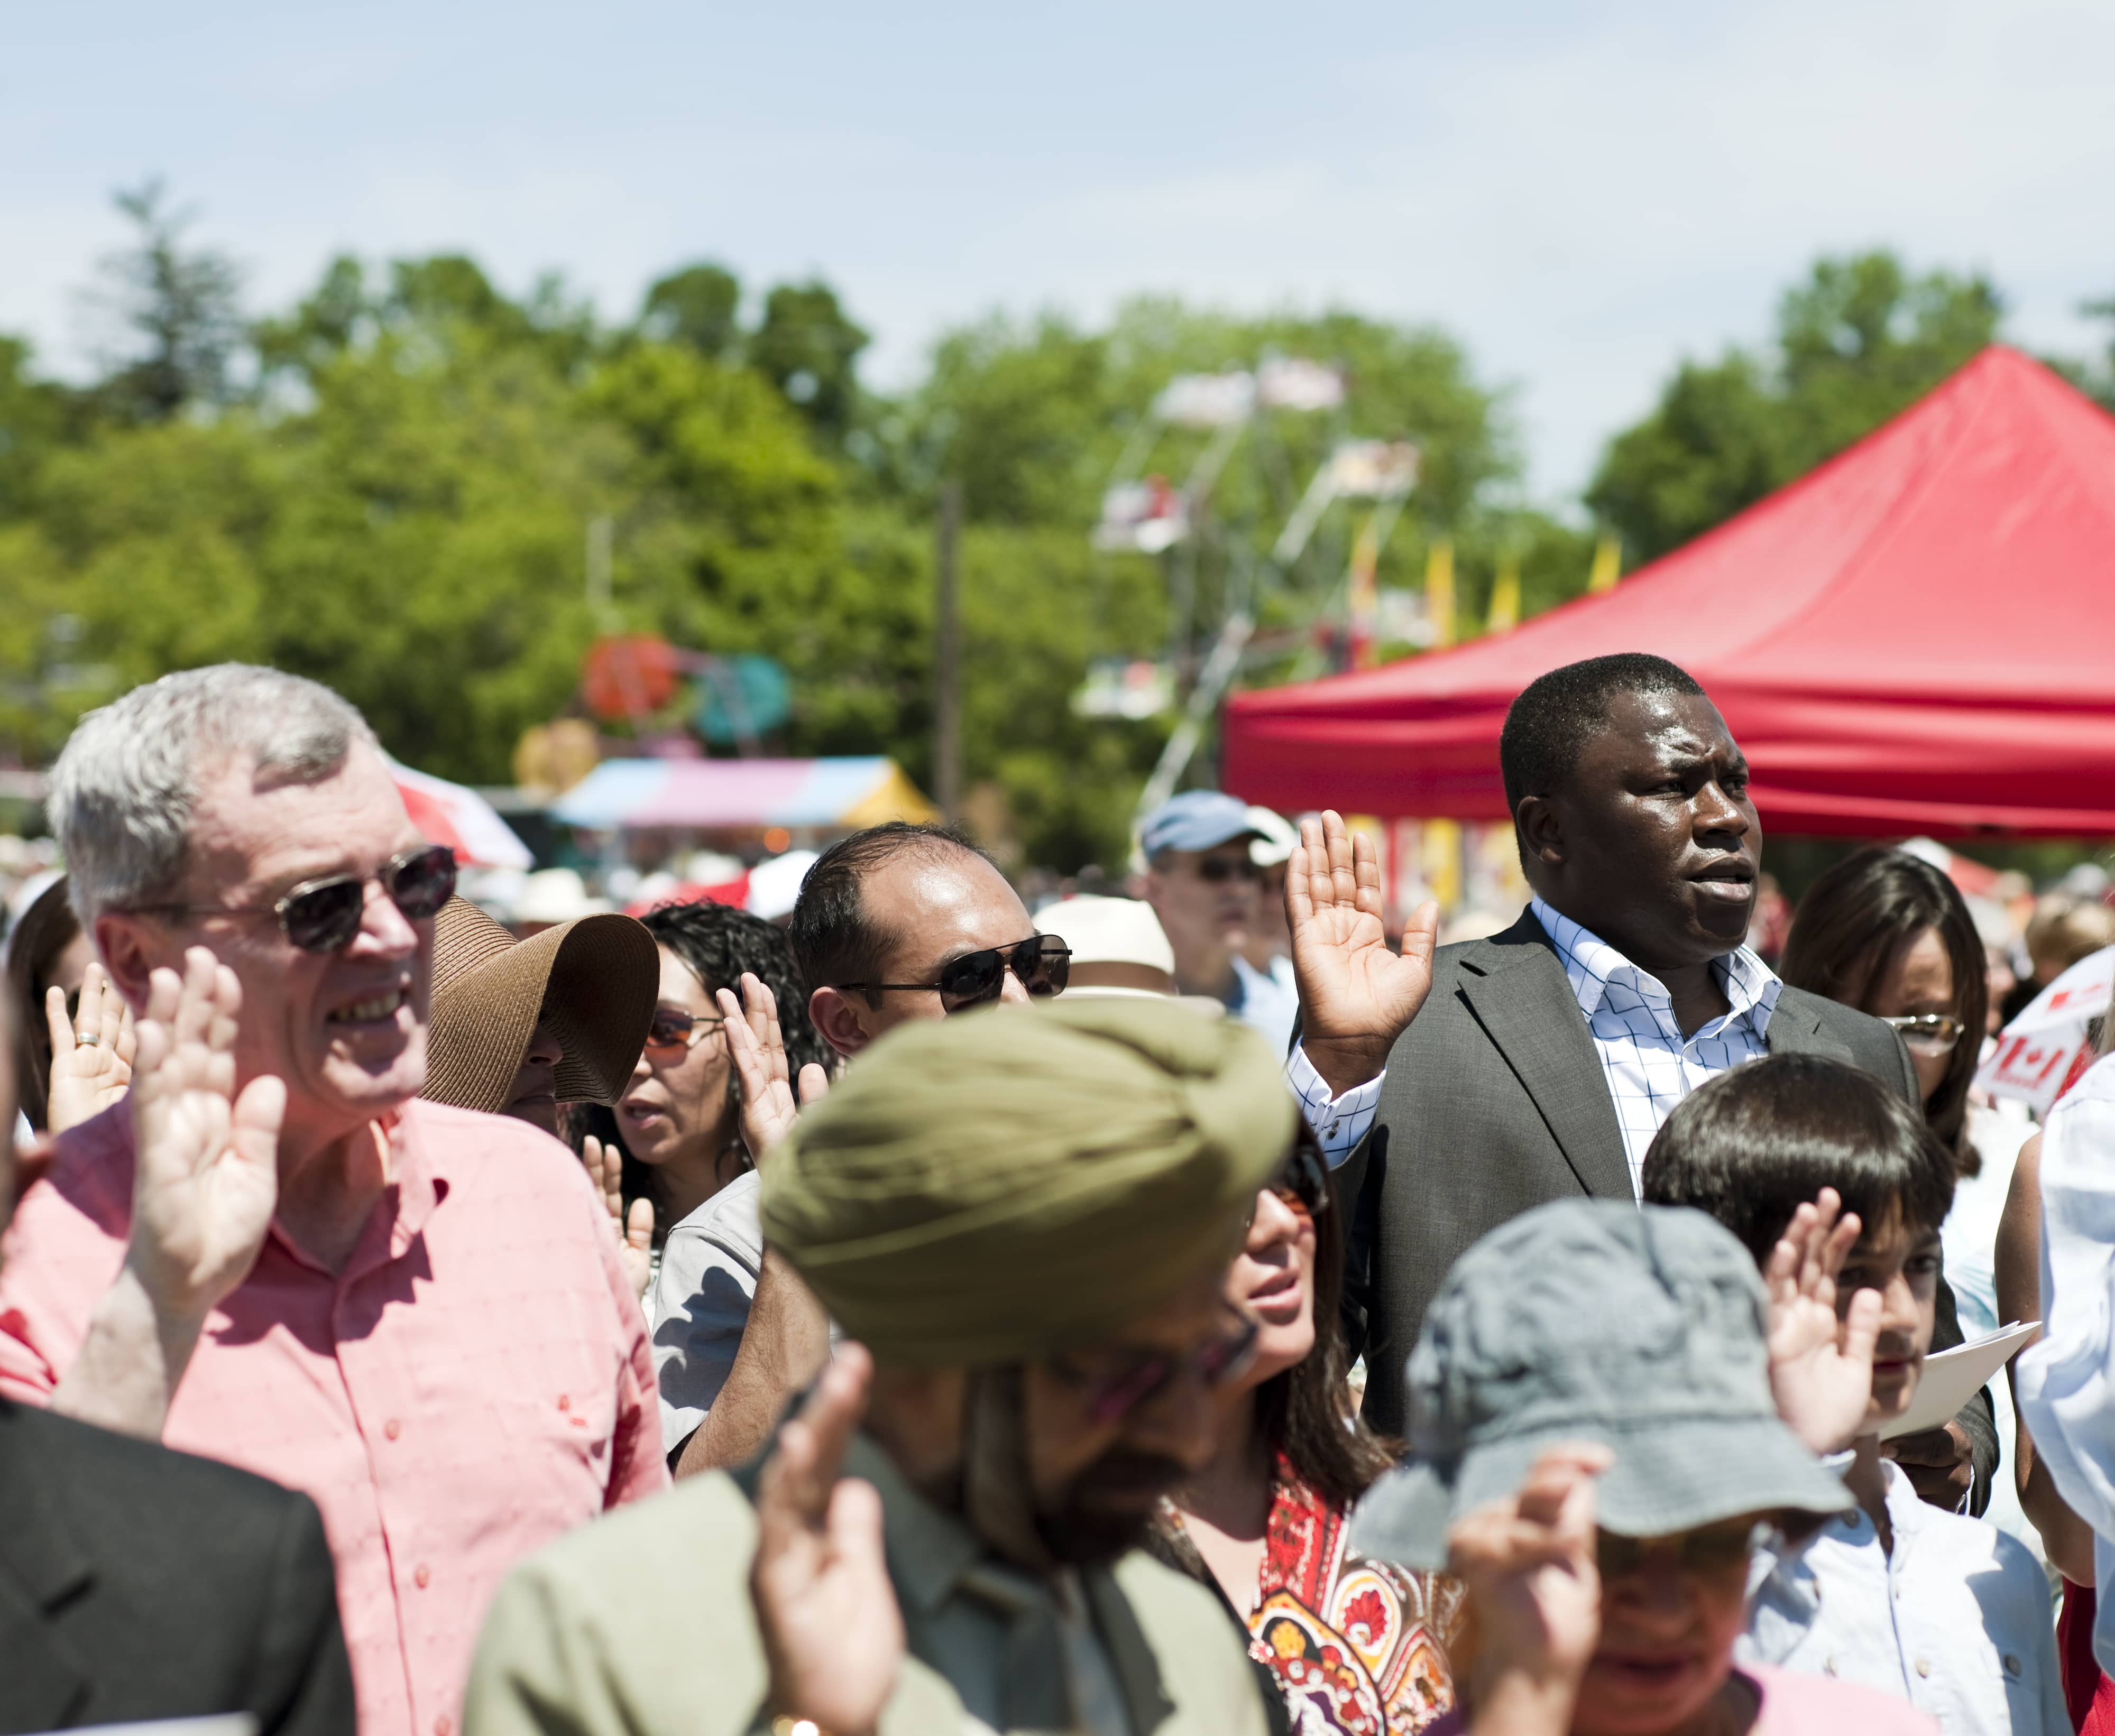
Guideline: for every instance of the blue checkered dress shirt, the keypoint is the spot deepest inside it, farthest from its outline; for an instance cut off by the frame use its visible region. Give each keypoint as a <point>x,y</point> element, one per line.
<point>1649,1065</point>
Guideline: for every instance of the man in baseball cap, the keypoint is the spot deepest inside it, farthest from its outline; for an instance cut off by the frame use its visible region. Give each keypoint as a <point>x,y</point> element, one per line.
<point>1205,885</point>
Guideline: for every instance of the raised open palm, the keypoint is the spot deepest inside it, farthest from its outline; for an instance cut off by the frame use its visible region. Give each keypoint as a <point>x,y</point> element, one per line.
<point>757,1046</point>
<point>1527,1562</point>
<point>1356,994</point>
<point>92,1052</point>
<point>634,1229</point>
<point>206,1178</point>
<point>832,1629</point>
<point>1821,1367</point>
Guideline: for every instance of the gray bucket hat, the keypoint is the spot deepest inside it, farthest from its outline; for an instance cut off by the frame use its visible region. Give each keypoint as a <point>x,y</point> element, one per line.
<point>1640,1327</point>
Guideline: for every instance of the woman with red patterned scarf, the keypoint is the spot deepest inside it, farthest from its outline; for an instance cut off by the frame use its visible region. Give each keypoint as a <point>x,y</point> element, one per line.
<point>1354,1646</point>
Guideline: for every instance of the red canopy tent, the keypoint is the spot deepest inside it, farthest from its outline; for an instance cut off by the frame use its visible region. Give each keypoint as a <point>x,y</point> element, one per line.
<point>1919,636</point>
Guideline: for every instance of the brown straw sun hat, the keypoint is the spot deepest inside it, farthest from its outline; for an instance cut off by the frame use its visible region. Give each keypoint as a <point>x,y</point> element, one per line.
<point>599,975</point>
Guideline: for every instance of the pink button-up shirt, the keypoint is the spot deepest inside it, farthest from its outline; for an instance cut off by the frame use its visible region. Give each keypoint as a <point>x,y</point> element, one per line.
<point>475,1381</point>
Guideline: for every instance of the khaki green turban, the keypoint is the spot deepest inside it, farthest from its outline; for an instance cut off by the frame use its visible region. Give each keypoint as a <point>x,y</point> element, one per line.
<point>999,1185</point>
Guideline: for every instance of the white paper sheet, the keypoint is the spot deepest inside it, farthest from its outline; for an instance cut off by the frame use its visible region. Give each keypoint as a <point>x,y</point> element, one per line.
<point>1953,1377</point>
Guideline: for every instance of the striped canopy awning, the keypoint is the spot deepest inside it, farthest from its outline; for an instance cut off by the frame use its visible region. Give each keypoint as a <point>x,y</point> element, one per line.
<point>743,795</point>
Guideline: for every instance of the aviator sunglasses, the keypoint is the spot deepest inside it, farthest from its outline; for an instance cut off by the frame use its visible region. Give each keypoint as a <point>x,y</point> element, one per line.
<point>1302,1181</point>
<point>1042,962</point>
<point>673,1029</point>
<point>323,915</point>
<point>1936,1034</point>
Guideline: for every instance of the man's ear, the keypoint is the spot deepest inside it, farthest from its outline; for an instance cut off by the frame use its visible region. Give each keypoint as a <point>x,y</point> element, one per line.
<point>127,945</point>
<point>831,1011</point>
<point>1540,830</point>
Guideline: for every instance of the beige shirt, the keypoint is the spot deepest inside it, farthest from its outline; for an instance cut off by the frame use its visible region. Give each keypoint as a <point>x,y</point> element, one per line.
<point>641,1625</point>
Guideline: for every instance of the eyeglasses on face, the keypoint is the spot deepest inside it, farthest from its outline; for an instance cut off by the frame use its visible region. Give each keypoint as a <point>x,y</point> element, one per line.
<point>325,915</point>
<point>1218,870</point>
<point>1042,962</point>
<point>674,1031</point>
<point>1116,1383</point>
<point>1936,1033</point>
<point>1709,1550</point>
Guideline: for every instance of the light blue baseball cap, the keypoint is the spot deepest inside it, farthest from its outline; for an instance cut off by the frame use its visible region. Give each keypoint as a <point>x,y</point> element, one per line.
<point>1197,819</point>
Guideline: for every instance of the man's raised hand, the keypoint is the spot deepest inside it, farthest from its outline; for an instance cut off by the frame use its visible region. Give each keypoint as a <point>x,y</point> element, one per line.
<point>832,1629</point>
<point>206,1176</point>
<point>1821,1378</point>
<point>1357,997</point>
<point>757,1047</point>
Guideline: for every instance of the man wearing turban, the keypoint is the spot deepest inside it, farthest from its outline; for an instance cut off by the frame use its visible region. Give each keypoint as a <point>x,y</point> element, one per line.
<point>1023,1218</point>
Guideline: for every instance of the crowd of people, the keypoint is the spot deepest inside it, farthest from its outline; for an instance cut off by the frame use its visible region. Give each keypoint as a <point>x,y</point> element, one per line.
<point>1208,1311</point>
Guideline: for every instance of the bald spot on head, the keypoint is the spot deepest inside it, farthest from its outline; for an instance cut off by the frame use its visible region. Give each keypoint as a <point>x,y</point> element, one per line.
<point>931,906</point>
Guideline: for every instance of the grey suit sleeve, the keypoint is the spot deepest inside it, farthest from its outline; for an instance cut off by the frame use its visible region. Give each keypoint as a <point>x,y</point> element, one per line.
<point>303,1685</point>
<point>1356,1183</point>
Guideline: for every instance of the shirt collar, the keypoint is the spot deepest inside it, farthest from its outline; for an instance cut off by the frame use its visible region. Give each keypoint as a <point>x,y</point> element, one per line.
<point>1590,963</point>
<point>417,1185</point>
<point>929,1550</point>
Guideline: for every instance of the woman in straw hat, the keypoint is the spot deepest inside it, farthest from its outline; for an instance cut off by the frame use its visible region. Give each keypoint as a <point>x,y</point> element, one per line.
<point>519,1028</point>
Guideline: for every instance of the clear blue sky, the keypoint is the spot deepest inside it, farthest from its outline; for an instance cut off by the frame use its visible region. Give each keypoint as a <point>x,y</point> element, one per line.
<point>1582,193</point>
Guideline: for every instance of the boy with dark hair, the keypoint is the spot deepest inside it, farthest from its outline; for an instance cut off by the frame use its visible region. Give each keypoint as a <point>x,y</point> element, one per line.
<point>1810,1161</point>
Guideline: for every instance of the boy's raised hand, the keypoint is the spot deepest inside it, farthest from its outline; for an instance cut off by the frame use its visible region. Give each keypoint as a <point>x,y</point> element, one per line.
<point>1821,1367</point>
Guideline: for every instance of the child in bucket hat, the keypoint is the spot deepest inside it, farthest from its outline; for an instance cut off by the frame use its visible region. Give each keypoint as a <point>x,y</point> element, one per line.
<point>1808,1158</point>
<point>1595,1448</point>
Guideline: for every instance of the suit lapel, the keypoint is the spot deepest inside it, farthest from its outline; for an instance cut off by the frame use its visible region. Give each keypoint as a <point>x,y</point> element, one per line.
<point>46,1684</point>
<point>1794,1030</point>
<point>42,1564</point>
<point>1518,992</point>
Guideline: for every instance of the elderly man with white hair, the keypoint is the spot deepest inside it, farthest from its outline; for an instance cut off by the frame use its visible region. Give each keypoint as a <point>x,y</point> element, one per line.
<point>274,1252</point>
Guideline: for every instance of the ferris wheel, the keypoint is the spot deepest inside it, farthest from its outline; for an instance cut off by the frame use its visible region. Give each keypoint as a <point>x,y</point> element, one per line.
<point>1143,512</point>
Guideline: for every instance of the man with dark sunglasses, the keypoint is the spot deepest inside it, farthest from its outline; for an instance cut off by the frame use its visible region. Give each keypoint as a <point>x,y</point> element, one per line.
<point>274,1252</point>
<point>902,921</point>
<point>1204,884</point>
<point>1023,1220</point>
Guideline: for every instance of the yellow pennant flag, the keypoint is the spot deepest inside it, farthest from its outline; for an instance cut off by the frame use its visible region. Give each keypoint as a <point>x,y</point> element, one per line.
<point>1505,596</point>
<point>1608,565</point>
<point>1439,590</point>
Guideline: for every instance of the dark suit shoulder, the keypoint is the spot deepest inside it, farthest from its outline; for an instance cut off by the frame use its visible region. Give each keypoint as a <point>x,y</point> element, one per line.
<point>1874,1046</point>
<point>150,1583</point>
<point>133,1479</point>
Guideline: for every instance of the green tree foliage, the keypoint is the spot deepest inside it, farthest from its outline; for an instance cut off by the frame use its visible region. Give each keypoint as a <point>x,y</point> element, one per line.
<point>388,486</point>
<point>180,309</point>
<point>810,350</point>
<point>699,305</point>
<point>1858,343</point>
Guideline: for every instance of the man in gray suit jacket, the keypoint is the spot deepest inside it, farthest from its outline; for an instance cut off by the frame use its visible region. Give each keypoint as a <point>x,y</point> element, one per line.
<point>1537,1064</point>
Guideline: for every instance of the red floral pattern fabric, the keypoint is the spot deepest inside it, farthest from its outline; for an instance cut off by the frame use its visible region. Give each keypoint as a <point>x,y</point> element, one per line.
<point>1358,1646</point>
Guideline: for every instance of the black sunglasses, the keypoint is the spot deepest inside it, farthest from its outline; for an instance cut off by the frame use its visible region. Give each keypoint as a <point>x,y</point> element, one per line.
<point>1042,962</point>
<point>324,915</point>
<point>1217,870</point>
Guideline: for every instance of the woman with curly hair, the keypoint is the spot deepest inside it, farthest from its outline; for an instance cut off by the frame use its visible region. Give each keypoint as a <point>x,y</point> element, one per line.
<point>678,1126</point>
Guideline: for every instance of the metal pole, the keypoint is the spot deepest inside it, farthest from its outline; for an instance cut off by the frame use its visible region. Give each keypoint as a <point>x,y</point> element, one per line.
<point>947,658</point>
